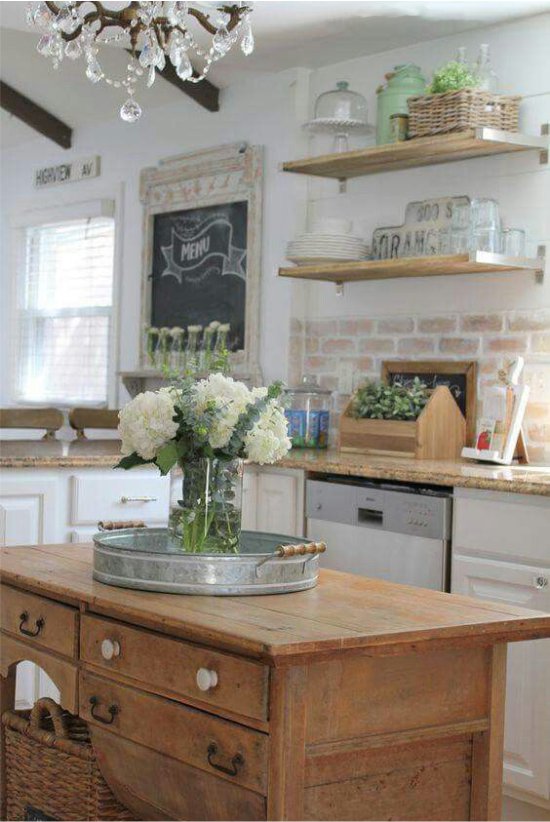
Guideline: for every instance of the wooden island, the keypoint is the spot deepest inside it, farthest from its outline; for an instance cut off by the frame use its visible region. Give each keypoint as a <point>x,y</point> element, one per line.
<point>358,699</point>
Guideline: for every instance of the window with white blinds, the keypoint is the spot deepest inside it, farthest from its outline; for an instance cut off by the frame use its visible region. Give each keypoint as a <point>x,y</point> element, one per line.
<point>64,316</point>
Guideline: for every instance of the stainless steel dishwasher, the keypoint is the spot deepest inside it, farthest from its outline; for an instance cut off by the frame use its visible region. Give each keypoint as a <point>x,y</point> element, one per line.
<point>393,532</point>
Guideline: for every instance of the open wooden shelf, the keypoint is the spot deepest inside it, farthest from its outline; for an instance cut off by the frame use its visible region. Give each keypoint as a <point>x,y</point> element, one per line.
<point>423,151</point>
<point>475,263</point>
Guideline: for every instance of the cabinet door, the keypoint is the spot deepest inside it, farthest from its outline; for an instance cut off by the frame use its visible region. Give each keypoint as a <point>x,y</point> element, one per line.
<point>280,501</point>
<point>27,511</point>
<point>527,725</point>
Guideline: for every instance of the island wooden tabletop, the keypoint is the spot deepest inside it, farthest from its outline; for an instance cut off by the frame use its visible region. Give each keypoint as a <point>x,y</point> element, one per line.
<point>344,612</point>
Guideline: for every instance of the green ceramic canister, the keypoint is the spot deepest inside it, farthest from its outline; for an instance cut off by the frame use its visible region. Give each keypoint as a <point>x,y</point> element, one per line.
<point>403,82</point>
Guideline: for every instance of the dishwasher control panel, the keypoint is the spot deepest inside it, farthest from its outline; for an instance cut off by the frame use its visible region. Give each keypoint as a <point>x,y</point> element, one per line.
<point>388,509</point>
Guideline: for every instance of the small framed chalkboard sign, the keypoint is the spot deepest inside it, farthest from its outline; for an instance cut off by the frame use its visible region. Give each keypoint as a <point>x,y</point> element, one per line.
<point>202,246</point>
<point>199,268</point>
<point>460,378</point>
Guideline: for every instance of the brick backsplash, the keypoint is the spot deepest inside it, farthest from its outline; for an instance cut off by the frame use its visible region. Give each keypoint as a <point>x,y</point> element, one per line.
<point>319,347</point>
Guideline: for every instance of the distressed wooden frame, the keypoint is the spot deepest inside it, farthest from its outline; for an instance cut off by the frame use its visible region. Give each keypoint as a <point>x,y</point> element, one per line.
<point>420,367</point>
<point>216,176</point>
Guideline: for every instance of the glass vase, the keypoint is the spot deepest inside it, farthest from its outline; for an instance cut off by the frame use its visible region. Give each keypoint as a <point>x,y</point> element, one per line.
<point>207,520</point>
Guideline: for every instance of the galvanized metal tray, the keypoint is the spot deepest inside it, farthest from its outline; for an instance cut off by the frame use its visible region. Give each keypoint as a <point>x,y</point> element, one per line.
<point>149,559</point>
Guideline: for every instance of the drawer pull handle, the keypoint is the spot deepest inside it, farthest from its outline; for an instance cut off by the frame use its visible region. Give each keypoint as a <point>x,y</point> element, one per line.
<point>236,763</point>
<point>112,709</point>
<point>206,679</point>
<point>40,622</point>
<point>110,649</point>
<point>138,499</point>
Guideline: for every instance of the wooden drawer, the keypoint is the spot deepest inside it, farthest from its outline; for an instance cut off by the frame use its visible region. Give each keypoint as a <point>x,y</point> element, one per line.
<point>172,665</point>
<point>40,621</point>
<point>150,783</point>
<point>214,745</point>
<point>102,495</point>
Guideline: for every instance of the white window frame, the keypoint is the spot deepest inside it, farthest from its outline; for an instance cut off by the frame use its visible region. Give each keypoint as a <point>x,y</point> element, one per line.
<point>54,214</point>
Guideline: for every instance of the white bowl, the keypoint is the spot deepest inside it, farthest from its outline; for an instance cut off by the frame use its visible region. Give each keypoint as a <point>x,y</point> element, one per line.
<point>331,225</point>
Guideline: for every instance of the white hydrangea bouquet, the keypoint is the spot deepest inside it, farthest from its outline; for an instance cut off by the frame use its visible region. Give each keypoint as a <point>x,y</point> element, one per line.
<point>207,427</point>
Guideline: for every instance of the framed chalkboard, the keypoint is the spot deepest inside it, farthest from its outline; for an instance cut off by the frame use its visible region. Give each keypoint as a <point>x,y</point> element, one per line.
<point>459,377</point>
<point>199,268</point>
<point>202,232</point>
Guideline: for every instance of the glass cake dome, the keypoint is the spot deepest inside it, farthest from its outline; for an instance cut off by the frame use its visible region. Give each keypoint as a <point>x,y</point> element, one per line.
<point>341,112</point>
<point>341,104</point>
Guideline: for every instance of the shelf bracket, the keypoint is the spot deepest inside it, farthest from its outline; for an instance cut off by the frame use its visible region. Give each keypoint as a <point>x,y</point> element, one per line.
<point>539,272</point>
<point>339,288</point>
<point>342,185</point>
<point>544,155</point>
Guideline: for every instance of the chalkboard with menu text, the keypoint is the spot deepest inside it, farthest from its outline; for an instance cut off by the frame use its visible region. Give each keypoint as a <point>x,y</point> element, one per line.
<point>199,268</point>
<point>460,378</point>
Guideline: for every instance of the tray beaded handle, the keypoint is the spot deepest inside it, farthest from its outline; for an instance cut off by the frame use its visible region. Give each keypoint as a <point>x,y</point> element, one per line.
<point>107,525</point>
<point>309,549</point>
<point>312,548</point>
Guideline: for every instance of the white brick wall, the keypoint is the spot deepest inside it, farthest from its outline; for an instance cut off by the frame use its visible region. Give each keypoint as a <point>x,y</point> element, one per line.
<point>319,347</point>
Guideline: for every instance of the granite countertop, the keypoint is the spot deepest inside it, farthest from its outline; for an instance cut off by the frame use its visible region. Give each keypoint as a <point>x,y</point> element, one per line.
<point>59,453</point>
<point>518,479</point>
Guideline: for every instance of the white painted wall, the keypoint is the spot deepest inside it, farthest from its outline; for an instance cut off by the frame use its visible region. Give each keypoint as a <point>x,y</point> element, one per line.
<point>267,111</point>
<point>521,59</point>
<point>260,112</point>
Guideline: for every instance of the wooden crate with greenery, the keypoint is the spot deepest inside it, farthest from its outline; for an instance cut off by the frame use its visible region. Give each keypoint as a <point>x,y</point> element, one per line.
<point>435,427</point>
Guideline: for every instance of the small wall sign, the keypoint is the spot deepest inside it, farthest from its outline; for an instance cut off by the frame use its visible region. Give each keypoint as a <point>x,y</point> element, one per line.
<point>67,172</point>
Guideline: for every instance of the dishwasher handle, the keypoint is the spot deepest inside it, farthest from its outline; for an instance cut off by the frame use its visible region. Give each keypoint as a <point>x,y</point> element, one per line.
<point>372,517</point>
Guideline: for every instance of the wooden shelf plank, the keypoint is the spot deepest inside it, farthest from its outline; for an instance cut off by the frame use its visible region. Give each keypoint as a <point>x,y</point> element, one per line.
<point>480,262</point>
<point>423,151</point>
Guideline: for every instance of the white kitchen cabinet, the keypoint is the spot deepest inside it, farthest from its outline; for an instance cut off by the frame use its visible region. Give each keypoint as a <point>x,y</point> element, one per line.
<point>501,552</point>
<point>97,495</point>
<point>28,509</point>
<point>273,500</point>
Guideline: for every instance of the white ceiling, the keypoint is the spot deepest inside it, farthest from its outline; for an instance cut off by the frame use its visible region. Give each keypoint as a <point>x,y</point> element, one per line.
<point>288,33</point>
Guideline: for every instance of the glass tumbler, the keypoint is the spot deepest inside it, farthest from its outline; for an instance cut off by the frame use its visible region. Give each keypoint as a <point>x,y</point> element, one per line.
<point>461,228</point>
<point>486,225</point>
<point>513,242</point>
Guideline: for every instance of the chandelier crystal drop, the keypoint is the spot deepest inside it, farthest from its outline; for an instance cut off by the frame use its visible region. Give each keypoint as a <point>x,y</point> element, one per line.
<point>155,33</point>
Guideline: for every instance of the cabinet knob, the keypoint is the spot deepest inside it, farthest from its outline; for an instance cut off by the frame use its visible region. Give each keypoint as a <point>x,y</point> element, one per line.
<point>206,679</point>
<point>110,649</point>
<point>541,582</point>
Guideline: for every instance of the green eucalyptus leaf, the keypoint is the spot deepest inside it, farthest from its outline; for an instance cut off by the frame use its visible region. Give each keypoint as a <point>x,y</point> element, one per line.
<point>167,457</point>
<point>131,461</point>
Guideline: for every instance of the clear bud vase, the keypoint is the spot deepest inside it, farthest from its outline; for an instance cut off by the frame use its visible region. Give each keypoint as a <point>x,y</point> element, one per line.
<point>207,520</point>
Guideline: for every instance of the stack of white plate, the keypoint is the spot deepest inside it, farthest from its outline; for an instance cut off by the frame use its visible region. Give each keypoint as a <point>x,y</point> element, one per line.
<point>316,248</point>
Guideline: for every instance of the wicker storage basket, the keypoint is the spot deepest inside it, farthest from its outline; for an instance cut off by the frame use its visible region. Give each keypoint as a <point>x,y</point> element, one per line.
<point>460,111</point>
<point>51,770</point>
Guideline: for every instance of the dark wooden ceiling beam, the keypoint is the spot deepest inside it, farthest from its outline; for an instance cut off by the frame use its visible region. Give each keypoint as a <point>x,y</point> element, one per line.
<point>35,116</point>
<point>205,93</point>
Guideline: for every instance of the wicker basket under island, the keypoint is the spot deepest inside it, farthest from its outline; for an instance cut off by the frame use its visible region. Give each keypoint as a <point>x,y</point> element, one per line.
<point>51,769</point>
<point>438,433</point>
<point>462,110</point>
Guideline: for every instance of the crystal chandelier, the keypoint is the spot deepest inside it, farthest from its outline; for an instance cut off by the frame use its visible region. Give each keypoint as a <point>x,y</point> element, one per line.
<point>151,31</point>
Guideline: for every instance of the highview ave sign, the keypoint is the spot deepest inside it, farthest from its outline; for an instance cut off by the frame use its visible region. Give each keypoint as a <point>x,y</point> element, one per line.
<point>67,172</point>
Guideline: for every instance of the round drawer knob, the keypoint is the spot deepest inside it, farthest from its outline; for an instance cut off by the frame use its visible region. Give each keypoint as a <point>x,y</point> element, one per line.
<point>110,649</point>
<point>206,679</point>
